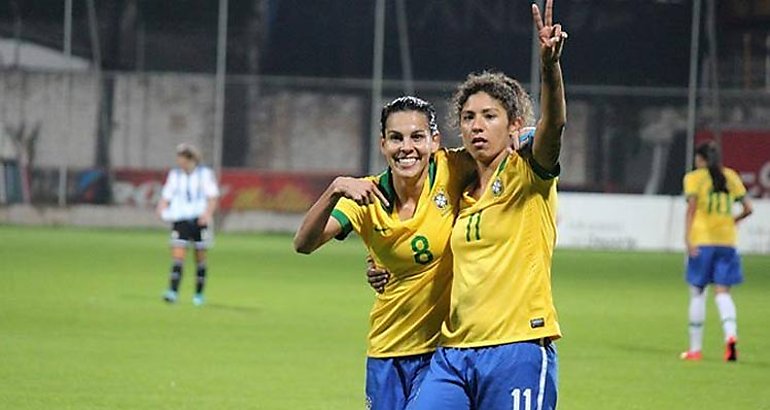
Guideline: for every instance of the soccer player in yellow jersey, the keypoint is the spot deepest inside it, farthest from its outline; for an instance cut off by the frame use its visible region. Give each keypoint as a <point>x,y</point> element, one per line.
<point>710,238</point>
<point>404,217</point>
<point>496,350</point>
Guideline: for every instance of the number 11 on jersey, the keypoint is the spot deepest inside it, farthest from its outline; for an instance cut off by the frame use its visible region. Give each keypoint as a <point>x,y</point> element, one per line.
<point>517,395</point>
<point>471,233</point>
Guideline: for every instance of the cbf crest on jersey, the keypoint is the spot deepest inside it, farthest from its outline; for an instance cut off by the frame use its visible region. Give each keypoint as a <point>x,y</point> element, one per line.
<point>497,187</point>
<point>441,201</point>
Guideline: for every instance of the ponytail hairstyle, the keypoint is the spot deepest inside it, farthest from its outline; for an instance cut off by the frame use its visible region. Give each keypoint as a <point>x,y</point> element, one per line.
<point>710,153</point>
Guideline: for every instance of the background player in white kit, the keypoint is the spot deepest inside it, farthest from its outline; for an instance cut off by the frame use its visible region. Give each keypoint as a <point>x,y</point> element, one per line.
<point>188,201</point>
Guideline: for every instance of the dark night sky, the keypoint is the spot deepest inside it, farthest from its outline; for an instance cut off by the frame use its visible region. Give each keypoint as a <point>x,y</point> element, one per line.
<point>617,44</point>
<point>613,42</point>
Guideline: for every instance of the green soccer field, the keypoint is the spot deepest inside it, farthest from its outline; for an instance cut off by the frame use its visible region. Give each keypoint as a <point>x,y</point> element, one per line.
<point>82,326</point>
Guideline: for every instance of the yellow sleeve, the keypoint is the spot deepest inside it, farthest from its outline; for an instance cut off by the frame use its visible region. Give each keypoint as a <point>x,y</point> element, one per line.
<point>457,157</point>
<point>460,166</point>
<point>533,173</point>
<point>735,185</point>
<point>350,216</point>
<point>690,185</point>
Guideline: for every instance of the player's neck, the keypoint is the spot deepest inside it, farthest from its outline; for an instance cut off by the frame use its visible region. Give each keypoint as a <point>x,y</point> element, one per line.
<point>485,172</point>
<point>408,194</point>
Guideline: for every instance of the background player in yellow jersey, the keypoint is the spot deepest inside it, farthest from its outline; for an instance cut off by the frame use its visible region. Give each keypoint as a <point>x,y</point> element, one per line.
<point>710,237</point>
<point>496,350</point>
<point>404,217</point>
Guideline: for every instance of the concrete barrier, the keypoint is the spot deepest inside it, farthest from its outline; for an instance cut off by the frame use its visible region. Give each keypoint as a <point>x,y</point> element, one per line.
<point>95,216</point>
<point>585,221</point>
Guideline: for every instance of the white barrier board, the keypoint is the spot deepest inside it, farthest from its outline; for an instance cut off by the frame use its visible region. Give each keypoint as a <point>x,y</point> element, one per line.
<point>636,222</point>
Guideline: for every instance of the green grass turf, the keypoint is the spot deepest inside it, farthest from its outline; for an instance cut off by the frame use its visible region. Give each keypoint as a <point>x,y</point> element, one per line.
<point>82,326</point>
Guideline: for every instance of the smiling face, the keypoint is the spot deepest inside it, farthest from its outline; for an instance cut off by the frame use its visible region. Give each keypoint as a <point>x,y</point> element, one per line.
<point>408,144</point>
<point>486,130</point>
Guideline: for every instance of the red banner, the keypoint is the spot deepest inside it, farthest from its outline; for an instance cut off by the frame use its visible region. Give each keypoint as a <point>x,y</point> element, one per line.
<point>747,152</point>
<point>137,187</point>
<point>240,189</point>
<point>249,190</point>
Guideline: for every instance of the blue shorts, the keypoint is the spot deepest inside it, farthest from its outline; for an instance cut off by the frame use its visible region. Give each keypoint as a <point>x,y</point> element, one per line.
<point>392,382</point>
<point>518,375</point>
<point>714,264</point>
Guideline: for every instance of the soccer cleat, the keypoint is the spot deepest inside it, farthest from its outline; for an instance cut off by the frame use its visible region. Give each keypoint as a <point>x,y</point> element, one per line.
<point>731,353</point>
<point>170,296</point>
<point>198,299</point>
<point>691,356</point>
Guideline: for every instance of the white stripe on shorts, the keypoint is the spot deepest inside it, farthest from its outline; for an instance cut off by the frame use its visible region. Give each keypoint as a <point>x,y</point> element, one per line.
<point>178,243</point>
<point>543,368</point>
<point>204,244</point>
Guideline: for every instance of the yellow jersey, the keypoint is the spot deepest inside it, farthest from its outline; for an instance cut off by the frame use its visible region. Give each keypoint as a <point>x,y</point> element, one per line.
<point>502,244</point>
<point>406,318</point>
<point>713,223</point>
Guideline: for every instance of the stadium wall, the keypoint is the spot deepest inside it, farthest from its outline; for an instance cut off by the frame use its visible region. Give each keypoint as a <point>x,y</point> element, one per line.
<point>619,140</point>
<point>585,221</point>
<point>153,112</point>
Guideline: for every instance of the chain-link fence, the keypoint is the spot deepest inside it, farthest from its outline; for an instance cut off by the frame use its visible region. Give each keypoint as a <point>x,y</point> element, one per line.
<point>66,134</point>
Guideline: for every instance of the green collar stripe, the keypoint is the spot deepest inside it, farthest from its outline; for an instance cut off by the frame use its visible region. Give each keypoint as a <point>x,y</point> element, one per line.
<point>502,165</point>
<point>385,184</point>
<point>432,171</point>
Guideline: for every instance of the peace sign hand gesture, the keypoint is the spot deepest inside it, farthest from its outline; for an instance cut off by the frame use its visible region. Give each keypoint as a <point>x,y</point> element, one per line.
<point>551,35</point>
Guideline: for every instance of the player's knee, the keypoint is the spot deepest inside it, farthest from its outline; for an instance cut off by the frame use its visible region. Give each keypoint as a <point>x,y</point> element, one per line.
<point>696,291</point>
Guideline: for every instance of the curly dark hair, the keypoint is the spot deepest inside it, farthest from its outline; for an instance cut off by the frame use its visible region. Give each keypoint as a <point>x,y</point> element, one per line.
<point>510,93</point>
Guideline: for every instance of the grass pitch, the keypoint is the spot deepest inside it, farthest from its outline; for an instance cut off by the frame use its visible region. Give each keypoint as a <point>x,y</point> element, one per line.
<point>82,326</point>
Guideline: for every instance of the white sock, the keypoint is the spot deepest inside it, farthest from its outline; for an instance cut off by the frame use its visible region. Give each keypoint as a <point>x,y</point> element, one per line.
<point>697,317</point>
<point>727,312</point>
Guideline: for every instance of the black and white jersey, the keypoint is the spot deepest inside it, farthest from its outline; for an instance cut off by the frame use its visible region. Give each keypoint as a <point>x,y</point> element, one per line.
<point>188,194</point>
